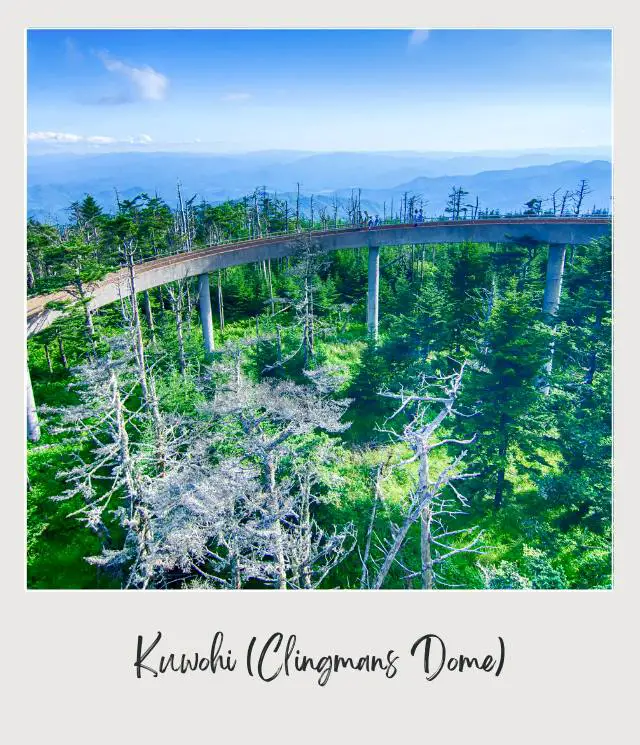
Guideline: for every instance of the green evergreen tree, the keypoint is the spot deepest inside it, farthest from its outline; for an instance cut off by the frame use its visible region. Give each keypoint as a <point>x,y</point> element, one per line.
<point>512,420</point>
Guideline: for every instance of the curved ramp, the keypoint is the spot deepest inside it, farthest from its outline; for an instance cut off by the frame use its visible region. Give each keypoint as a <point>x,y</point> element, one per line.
<point>548,231</point>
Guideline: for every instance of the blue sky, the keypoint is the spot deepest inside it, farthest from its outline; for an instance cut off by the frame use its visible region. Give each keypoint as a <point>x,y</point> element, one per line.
<point>450,90</point>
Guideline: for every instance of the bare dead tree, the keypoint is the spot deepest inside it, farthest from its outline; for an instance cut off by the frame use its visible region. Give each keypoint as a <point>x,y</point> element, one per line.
<point>33,423</point>
<point>311,551</point>
<point>101,419</point>
<point>288,549</point>
<point>270,286</point>
<point>334,206</point>
<point>434,499</point>
<point>110,481</point>
<point>579,195</point>
<point>63,357</point>
<point>184,235</point>
<point>324,220</point>
<point>177,300</point>
<point>146,380</point>
<point>46,338</point>
<point>309,260</point>
<point>199,517</point>
<point>380,472</point>
<point>80,291</point>
<point>31,280</point>
<point>148,314</point>
<point>566,198</point>
<point>220,302</point>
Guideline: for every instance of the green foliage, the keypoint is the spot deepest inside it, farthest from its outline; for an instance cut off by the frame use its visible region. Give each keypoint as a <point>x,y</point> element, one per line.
<point>543,575</point>
<point>512,421</point>
<point>506,577</point>
<point>56,544</point>
<point>543,494</point>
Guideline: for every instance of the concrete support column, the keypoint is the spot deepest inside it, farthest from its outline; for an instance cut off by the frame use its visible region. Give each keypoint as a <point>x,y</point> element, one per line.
<point>551,300</point>
<point>33,425</point>
<point>553,286</point>
<point>373,291</point>
<point>206,316</point>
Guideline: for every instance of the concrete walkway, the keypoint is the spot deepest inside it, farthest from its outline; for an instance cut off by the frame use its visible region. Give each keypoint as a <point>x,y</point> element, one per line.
<point>548,231</point>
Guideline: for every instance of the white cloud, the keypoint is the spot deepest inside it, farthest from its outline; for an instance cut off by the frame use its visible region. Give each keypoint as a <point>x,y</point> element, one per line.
<point>418,37</point>
<point>67,137</point>
<point>99,140</point>
<point>239,96</point>
<point>140,139</point>
<point>54,137</point>
<point>148,84</point>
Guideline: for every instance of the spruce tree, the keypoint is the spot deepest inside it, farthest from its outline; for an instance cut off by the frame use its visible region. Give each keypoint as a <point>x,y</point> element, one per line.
<point>512,420</point>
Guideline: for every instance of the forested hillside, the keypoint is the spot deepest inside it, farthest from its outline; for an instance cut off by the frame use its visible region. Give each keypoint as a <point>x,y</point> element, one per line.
<point>469,446</point>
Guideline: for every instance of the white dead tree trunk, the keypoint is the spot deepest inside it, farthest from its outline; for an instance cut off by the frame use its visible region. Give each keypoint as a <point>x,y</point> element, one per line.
<point>63,357</point>
<point>47,354</point>
<point>434,498</point>
<point>33,425</point>
<point>110,483</point>
<point>147,383</point>
<point>220,303</point>
<point>377,497</point>
<point>185,232</point>
<point>176,293</point>
<point>309,259</point>
<point>290,550</point>
<point>148,313</point>
<point>312,551</point>
<point>79,291</point>
<point>101,418</point>
<point>200,517</point>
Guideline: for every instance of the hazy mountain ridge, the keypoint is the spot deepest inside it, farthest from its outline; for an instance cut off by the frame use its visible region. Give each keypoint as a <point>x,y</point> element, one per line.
<point>501,182</point>
<point>506,190</point>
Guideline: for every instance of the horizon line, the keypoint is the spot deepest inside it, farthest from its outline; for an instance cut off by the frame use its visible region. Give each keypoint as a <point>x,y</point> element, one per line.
<point>191,150</point>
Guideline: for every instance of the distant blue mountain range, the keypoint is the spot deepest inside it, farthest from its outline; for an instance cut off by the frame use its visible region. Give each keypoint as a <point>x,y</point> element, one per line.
<point>502,181</point>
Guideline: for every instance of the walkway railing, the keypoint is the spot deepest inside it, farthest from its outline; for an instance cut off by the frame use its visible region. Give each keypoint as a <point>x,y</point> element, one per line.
<point>275,235</point>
